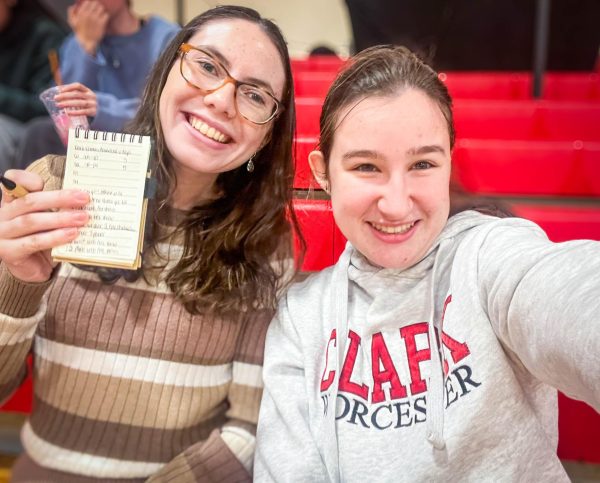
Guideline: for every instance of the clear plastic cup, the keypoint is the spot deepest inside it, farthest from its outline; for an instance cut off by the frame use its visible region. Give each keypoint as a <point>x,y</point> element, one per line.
<point>62,120</point>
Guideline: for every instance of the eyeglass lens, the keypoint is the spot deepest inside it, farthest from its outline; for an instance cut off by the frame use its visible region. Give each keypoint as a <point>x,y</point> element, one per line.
<point>207,74</point>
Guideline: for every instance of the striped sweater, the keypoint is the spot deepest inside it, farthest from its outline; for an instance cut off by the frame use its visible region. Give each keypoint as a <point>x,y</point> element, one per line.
<point>128,385</point>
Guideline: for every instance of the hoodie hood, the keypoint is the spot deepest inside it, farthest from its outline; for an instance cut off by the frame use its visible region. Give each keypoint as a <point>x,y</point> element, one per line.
<point>381,284</point>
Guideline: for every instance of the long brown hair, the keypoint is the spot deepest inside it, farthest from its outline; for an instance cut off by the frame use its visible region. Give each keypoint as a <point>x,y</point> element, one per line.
<point>234,248</point>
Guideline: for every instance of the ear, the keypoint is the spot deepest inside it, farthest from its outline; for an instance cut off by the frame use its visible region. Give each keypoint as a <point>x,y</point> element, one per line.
<point>316,160</point>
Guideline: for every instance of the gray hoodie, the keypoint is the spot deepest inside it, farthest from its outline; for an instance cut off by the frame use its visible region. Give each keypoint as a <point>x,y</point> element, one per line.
<point>448,368</point>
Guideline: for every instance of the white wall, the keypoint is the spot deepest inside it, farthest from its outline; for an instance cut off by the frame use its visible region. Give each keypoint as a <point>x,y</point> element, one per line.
<point>305,23</point>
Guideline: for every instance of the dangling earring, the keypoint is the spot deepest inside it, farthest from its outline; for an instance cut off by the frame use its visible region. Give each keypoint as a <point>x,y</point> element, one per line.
<point>250,165</point>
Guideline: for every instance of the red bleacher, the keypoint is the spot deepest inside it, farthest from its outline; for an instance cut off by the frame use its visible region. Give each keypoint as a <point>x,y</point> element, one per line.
<point>527,120</point>
<point>317,64</point>
<point>312,81</point>
<point>496,119</point>
<point>528,168</point>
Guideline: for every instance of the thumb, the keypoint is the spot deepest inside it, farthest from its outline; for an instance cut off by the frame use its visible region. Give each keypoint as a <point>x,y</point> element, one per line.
<point>25,179</point>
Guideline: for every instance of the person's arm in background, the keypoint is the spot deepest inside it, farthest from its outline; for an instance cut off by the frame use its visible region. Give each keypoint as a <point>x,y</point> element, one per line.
<point>106,111</point>
<point>543,300</point>
<point>227,454</point>
<point>31,70</point>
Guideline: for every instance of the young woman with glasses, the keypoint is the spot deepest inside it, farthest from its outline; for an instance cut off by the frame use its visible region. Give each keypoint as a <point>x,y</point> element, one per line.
<point>157,374</point>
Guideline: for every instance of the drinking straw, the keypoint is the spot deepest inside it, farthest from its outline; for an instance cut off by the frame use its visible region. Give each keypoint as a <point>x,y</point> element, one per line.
<point>53,59</point>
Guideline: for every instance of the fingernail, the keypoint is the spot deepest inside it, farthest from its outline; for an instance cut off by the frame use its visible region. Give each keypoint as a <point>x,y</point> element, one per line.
<point>81,217</point>
<point>71,233</point>
<point>81,196</point>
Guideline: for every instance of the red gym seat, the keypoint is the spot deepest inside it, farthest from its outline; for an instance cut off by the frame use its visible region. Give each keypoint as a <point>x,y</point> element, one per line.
<point>527,120</point>
<point>506,167</point>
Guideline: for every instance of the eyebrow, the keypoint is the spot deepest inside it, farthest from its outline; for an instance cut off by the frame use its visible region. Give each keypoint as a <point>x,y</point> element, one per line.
<point>370,154</point>
<point>432,148</point>
<point>361,153</point>
<point>248,80</point>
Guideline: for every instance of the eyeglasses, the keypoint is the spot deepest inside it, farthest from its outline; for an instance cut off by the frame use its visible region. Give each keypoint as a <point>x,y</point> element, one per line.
<point>202,71</point>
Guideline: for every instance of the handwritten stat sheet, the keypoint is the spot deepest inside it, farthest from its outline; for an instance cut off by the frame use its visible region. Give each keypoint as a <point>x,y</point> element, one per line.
<point>112,168</point>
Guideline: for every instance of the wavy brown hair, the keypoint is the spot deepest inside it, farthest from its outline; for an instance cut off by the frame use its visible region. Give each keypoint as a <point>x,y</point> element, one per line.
<point>235,248</point>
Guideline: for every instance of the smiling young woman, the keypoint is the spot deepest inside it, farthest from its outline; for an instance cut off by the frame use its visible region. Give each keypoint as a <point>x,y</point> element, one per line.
<point>433,349</point>
<point>157,374</point>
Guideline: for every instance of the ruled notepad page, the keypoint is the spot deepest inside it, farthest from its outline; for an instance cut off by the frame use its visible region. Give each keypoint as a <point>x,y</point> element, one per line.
<point>113,168</point>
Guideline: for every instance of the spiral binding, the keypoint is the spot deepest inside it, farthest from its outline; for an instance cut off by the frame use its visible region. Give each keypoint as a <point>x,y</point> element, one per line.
<point>109,136</point>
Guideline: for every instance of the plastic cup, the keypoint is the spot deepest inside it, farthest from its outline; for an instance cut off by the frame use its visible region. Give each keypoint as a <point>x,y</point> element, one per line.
<point>60,117</point>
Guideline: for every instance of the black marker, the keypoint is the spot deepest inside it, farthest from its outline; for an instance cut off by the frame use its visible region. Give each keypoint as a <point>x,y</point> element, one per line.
<point>12,188</point>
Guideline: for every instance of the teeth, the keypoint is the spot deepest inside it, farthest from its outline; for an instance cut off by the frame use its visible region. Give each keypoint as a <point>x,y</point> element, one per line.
<point>207,130</point>
<point>393,230</point>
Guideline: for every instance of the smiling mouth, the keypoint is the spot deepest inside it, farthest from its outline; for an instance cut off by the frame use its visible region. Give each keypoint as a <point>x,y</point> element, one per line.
<point>393,230</point>
<point>208,131</point>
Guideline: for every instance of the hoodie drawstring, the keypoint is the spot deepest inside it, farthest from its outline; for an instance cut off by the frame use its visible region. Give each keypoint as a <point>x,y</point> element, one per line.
<point>435,396</point>
<point>340,284</point>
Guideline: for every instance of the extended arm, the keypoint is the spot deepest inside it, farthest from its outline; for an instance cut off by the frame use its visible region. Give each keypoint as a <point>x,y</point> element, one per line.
<point>543,300</point>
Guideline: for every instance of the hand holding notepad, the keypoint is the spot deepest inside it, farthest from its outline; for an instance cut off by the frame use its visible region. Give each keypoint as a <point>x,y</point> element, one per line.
<point>113,168</point>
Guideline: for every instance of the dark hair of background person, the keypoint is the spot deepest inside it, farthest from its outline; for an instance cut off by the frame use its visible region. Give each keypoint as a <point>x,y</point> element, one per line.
<point>236,247</point>
<point>322,50</point>
<point>40,8</point>
<point>480,35</point>
<point>385,71</point>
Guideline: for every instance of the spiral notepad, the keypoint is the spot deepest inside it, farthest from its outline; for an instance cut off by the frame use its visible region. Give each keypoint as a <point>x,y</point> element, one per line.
<point>113,169</point>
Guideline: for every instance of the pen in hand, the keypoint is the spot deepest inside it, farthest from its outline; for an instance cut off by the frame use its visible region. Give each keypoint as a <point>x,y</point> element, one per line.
<point>12,188</point>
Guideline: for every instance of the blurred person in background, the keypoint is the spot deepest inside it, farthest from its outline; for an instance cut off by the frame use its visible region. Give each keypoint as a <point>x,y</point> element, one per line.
<point>104,65</point>
<point>27,34</point>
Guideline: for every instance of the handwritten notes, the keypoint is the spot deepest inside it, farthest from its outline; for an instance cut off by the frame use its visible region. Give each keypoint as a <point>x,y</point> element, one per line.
<point>113,168</point>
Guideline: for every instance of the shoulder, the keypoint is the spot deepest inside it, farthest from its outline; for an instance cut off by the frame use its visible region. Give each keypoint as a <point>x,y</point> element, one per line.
<point>45,27</point>
<point>51,169</point>
<point>309,282</point>
<point>155,23</point>
<point>472,227</point>
<point>509,230</point>
<point>310,297</point>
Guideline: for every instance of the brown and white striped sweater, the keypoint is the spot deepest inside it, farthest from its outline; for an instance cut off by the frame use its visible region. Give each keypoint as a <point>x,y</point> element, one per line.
<point>128,385</point>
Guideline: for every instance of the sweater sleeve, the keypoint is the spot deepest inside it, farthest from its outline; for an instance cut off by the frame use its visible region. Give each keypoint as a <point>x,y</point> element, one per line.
<point>114,113</point>
<point>543,300</point>
<point>286,450</point>
<point>22,305</point>
<point>227,454</point>
<point>21,309</point>
<point>76,65</point>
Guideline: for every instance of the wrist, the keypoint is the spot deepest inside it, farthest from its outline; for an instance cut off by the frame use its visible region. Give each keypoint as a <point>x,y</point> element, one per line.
<point>89,46</point>
<point>18,298</point>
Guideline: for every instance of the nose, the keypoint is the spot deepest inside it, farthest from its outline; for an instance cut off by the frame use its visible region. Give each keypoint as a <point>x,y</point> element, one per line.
<point>222,99</point>
<point>395,200</point>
